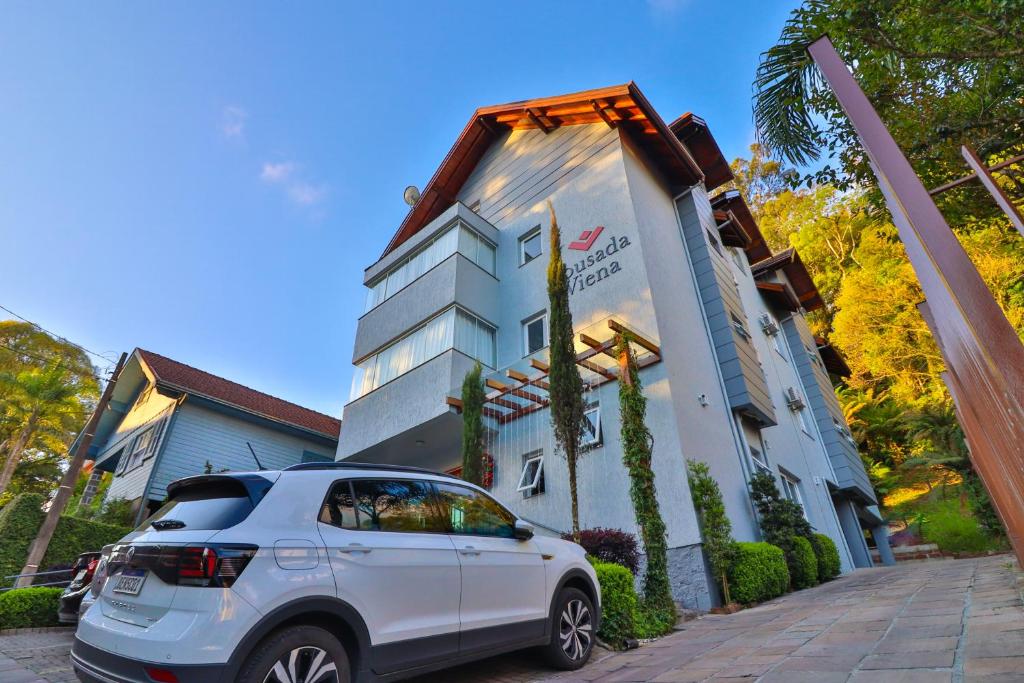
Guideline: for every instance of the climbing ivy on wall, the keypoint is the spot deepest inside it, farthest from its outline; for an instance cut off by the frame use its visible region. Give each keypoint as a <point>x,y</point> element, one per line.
<point>637,445</point>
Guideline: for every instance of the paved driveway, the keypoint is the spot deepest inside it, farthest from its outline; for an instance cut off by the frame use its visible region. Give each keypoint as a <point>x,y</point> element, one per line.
<point>938,620</point>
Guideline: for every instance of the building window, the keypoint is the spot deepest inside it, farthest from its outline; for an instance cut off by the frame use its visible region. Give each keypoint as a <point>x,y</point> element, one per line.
<point>713,239</point>
<point>844,432</point>
<point>801,416</point>
<point>457,238</point>
<point>592,436</point>
<point>531,480</point>
<point>759,461</point>
<point>740,328</point>
<point>140,448</point>
<point>535,334</point>
<point>737,258</point>
<point>791,489</point>
<point>530,246</point>
<point>455,328</point>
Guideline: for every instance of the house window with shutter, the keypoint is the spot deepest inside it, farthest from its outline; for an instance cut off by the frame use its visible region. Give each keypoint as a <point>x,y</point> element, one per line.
<point>140,448</point>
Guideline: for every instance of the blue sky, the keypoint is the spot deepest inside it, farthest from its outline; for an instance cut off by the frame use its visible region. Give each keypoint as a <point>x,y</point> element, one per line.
<point>209,180</point>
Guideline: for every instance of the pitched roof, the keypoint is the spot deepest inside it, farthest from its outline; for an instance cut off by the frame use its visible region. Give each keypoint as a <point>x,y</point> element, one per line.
<point>732,201</point>
<point>192,380</point>
<point>619,106</point>
<point>789,262</point>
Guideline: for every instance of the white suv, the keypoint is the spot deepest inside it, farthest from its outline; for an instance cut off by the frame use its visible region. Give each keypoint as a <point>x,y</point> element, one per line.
<point>330,573</point>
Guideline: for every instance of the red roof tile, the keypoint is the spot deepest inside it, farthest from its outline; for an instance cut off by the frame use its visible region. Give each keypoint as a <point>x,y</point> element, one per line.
<point>195,381</point>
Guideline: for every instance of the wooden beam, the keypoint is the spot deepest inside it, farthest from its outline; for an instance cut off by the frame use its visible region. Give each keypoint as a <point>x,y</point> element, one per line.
<point>601,112</point>
<point>516,375</point>
<point>491,412</point>
<point>599,347</point>
<point>528,395</point>
<point>594,367</point>
<point>537,122</point>
<point>524,412</point>
<point>487,125</point>
<point>495,384</point>
<point>646,343</point>
<point>539,365</point>
<point>505,403</point>
<point>454,402</point>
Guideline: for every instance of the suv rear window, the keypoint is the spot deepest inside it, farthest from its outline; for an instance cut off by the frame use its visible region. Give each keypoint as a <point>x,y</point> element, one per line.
<point>207,506</point>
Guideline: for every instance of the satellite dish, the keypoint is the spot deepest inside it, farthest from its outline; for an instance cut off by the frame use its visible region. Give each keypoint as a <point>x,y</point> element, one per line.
<point>411,195</point>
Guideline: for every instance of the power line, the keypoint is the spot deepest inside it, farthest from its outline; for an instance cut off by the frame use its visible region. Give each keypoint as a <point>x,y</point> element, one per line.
<point>61,338</point>
<point>73,371</point>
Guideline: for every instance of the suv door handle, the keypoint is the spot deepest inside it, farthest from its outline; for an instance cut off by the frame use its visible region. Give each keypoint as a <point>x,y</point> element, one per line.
<point>354,548</point>
<point>469,550</point>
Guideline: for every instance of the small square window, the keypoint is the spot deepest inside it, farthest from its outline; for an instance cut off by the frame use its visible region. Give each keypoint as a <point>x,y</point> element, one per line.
<point>535,334</point>
<point>791,489</point>
<point>530,246</point>
<point>760,462</point>
<point>801,414</point>
<point>740,328</point>
<point>531,480</point>
<point>592,427</point>
<point>713,239</point>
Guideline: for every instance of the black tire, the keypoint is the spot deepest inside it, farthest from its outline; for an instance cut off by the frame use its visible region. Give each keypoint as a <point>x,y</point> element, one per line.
<point>289,656</point>
<point>572,631</point>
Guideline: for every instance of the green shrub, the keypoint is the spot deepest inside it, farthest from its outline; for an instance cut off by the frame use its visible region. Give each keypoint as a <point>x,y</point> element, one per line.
<point>618,603</point>
<point>956,531</point>
<point>758,572</point>
<point>19,522</point>
<point>803,564</point>
<point>828,557</point>
<point>715,527</point>
<point>29,607</point>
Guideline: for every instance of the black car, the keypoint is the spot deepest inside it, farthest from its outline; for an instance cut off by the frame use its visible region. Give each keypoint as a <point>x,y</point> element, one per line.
<point>81,578</point>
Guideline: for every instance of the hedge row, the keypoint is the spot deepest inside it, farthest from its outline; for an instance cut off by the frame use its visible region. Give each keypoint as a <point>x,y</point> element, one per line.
<point>828,557</point>
<point>29,607</point>
<point>758,573</point>
<point>20,520</point>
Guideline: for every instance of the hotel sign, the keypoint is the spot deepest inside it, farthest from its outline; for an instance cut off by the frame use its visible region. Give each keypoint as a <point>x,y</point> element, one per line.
<point>597,265</point>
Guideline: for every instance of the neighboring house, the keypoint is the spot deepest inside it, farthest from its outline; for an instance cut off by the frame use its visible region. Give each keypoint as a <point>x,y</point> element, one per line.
<point>733,376</point>
<point>168,420</point>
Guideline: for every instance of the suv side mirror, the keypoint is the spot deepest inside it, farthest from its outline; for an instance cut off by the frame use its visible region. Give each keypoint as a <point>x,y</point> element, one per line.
<point>523,530</point>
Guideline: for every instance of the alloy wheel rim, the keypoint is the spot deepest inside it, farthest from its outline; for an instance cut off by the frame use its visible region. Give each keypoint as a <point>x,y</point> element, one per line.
<point>575,630</point>
<point>305,664</point>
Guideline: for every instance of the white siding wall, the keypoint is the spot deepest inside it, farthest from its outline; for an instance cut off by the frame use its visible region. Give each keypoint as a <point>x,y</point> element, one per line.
<point>130,484</point>
<point>198,435</point>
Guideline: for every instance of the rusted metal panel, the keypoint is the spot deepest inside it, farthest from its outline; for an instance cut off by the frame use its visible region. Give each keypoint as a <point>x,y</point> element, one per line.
<point>983,355</point>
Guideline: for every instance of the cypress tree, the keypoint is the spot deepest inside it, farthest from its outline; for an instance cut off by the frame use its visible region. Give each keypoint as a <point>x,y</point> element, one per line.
<point>715,527</point>
<point>566,387</point>
<point>637,444</point>
<point>473,426</point>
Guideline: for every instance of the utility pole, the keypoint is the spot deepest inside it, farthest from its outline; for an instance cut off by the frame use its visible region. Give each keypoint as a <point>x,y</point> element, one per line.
<point>67,484</point>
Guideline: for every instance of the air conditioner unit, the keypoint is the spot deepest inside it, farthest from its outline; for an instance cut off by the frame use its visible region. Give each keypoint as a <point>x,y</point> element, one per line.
<point>793,399</point>
<point>768,325</point>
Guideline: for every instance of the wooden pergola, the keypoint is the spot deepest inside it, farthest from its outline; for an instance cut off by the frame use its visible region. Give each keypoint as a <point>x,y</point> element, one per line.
<point>522,394</point>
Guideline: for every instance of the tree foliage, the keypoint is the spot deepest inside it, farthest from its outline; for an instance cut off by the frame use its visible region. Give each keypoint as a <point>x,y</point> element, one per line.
<point>637,445</point>
<point>47,390</point>
<point>715,527</point>
<point>566,387</point>
<point>473,397</point>
<point>783,524</point>
<point>940,74</point>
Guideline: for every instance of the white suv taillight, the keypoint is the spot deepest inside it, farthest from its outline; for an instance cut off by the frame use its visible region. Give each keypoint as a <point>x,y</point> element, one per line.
<point>213,565</point>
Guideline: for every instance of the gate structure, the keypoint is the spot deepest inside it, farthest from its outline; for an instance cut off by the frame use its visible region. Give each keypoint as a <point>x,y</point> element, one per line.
<point>983,355</point>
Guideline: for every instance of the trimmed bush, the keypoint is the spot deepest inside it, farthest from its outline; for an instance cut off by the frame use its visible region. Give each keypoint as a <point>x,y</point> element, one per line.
<point>803,564</point>
<point>828,557</point>
<point>20,520</point>
<point>610,545</point>
<point>618,603</point>
<point>758,572</point>
<point>29,607</point>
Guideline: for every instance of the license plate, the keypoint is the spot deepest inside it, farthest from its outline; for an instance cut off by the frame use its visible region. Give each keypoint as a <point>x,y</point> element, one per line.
<point>130,581</point>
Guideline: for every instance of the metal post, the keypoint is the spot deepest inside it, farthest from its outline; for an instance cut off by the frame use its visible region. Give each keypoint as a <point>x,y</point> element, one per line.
<point>981,349</point>
<point>985,176</point>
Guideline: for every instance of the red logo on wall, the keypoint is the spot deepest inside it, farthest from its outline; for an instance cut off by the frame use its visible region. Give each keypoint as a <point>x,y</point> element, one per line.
<point>587,239</point>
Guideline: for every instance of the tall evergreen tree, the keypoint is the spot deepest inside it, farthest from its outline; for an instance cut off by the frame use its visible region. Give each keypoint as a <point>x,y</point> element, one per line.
<point>566,392</point>
<point>637,444</point>
<point>473,426</point>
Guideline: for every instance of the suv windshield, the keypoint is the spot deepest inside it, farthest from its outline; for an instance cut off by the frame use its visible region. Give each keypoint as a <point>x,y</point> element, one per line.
<point>203,506</point>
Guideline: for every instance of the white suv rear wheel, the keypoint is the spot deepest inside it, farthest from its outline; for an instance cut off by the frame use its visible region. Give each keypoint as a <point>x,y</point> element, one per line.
<point>297,654</point>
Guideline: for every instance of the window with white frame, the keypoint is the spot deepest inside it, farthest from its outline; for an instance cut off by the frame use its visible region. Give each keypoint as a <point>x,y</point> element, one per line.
<point>805,424</point>
<point>791,489</point>
<point>844,432</point>
<point>535,333</point>
<point>139,448</point>
<point>530,246</point>
<point>457,238</point>
<point>758,460</point>
<point>452,329</point>
<point>737,258</point>
<point>592,426</point>
<point>531,480</point>
<point>713,239</point>
<point>740,328</point>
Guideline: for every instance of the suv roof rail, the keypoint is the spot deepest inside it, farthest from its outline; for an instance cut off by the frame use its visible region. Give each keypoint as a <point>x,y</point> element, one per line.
<point>352,465</point>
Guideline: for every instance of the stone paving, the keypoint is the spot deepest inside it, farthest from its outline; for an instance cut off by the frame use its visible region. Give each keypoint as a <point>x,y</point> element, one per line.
<point>919,622</point>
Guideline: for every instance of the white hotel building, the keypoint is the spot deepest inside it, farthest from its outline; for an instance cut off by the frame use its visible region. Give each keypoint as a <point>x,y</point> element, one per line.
<point>733,375</point>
